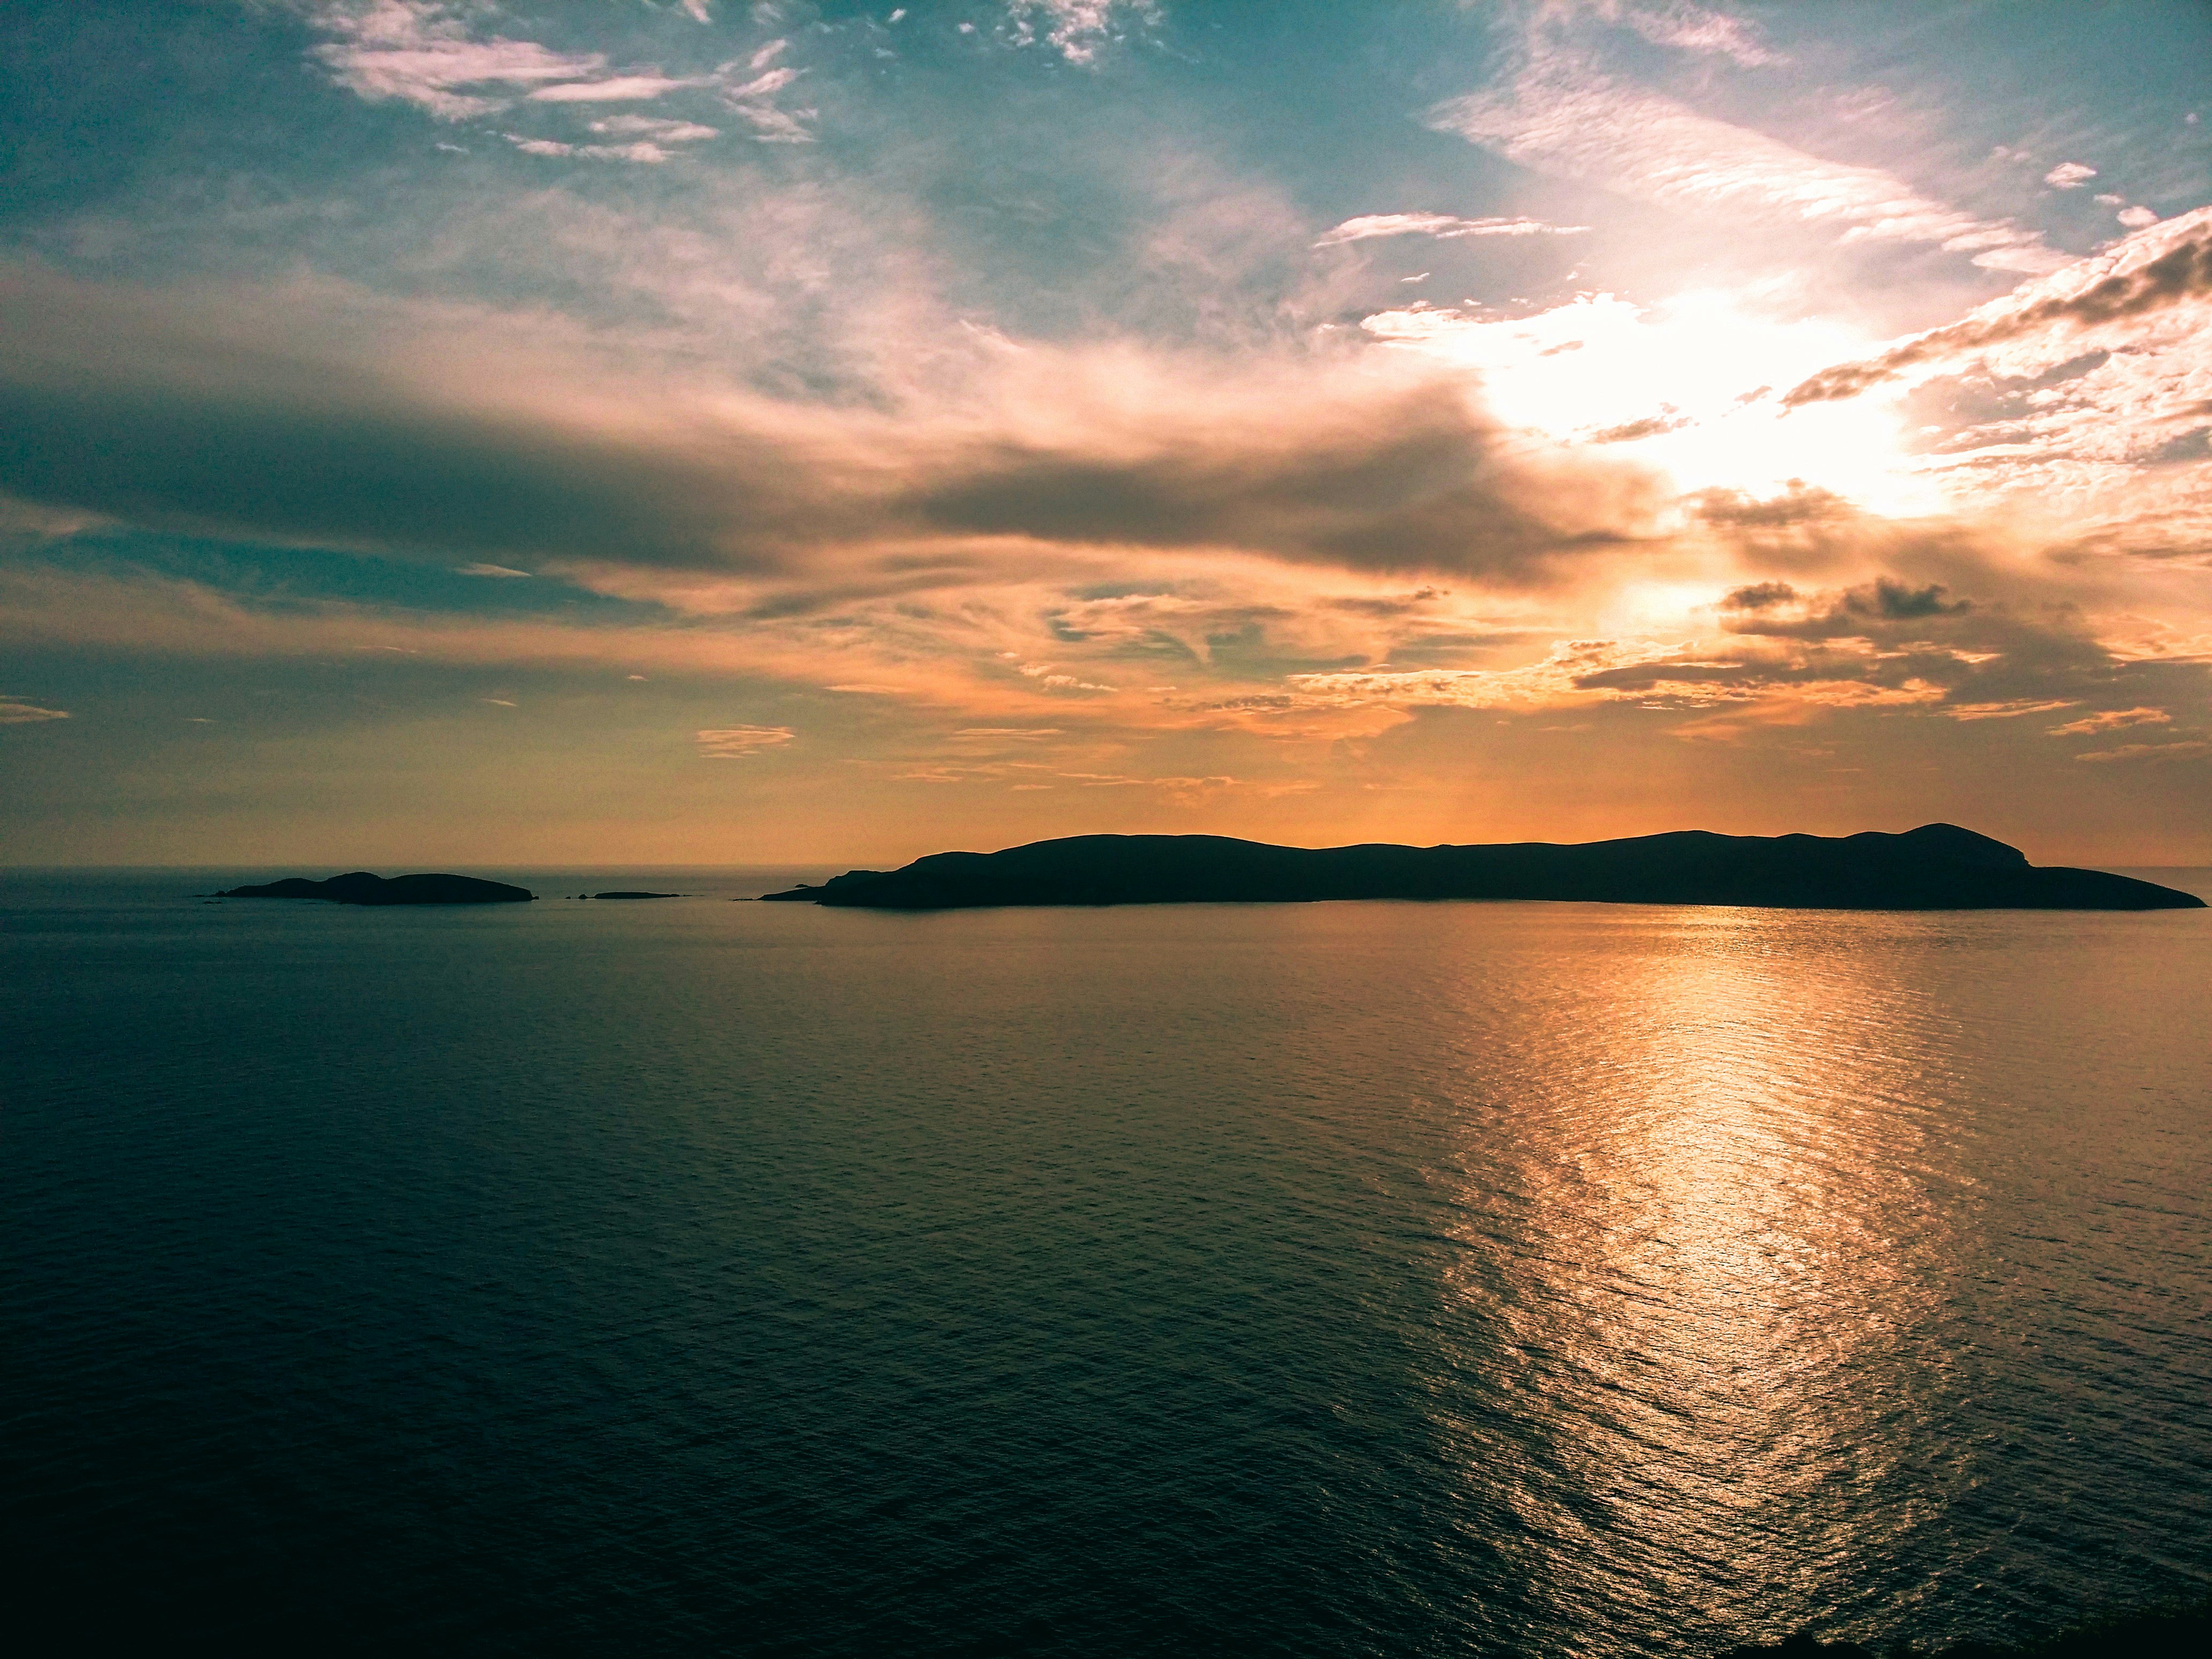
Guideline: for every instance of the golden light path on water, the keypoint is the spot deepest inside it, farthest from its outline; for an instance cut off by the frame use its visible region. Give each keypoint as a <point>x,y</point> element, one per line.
<point>1717,1219</point>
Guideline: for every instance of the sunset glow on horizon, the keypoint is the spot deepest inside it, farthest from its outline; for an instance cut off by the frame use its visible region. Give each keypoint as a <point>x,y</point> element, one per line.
<point>451,432</point>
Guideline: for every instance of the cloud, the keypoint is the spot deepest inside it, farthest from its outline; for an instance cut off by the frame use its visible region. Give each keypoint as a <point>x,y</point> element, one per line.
<point>420,52</point>
<point>2169,267</point>
<point>13,711</point>
<point>643,150</point>
<point>1798,503</point>
<point>753,100</point>
<point>1790,686</point>
<point>2012,709</point>
<point>425,52</point>
<point>2068,175</point>
<point>1078,29</point>
<point>2136,218</point>
<point>2193,749</point>
<point>742,742</point>
<point>1443,226</point>
<point>1694,28</point>
<point>1561,118</point>
<point>482,570</point>
<point>488,441</point>
<point>617,88</point>
<point>1651,425</point>
<point>654,127</point>
<point>2111,720</point>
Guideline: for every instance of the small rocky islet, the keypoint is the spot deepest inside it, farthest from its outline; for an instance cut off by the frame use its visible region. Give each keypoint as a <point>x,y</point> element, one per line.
<point>360,887</point>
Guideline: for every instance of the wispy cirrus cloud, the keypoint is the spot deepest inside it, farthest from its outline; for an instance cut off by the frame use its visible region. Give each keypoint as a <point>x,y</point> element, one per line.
<point>14,711</point>
<point>1563,116</point>
<point>433,54</point>
<point>2111,720</point>
<point>2154,753</point>
<point>1442,226</point>
<point>1692,28</point>
<point>742,742</point>
<point>424,53</point>
<point>614,89</point>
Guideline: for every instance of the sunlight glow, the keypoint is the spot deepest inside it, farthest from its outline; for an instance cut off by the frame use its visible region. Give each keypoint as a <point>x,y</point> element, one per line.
<point>1689,386</point>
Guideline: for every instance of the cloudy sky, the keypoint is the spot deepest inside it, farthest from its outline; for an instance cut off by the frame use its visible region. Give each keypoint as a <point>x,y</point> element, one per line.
<point>443,431</point>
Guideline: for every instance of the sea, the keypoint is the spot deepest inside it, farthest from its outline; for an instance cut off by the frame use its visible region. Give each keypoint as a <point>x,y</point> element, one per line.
<point>692,1276</point>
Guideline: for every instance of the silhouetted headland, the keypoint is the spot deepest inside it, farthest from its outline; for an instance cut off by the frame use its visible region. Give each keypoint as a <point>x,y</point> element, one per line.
<point>1938,867</point>
<point>363,888</point>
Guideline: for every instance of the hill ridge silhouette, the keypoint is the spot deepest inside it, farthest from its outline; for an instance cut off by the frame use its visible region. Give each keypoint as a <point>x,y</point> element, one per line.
<point>1936,866</point>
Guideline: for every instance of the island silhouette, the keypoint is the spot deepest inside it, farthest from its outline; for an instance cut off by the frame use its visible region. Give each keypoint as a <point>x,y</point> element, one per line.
<point>1938,866</point>
<point>362,887</point>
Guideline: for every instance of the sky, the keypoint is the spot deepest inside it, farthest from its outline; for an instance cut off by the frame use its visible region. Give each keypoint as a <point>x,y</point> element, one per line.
<point>450,432</point>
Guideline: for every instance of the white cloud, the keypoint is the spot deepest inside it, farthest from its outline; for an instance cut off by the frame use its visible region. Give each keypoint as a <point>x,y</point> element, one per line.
<point>424,52</point>
<point>1443,226</point>
<point>13,711</point>
<point>1076,29</point>
<point>480,568</point>
<point>417,51</point>
<point>1563,119</point>
<point>1692,28</point>
<point>2137,218</point>
<point>752,102</point>
<point>698,10</point>
<point>616,89</point>
<point>655,128</point>
<point>742,742</point>
<point>644,150</point>
<point>2068,175</point>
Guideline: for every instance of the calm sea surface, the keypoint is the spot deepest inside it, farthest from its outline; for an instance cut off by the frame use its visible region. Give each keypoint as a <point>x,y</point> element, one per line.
<point>1332,1279</point>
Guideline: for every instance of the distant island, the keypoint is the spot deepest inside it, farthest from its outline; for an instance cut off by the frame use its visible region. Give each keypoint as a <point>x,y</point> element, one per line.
<point>363,888</point>
<point>633,895</point>
<point>1938,866</point>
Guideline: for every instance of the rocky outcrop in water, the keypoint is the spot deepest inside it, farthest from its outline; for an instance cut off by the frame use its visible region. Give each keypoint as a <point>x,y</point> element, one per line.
<point>363,888</point>
<point>1938,867</point>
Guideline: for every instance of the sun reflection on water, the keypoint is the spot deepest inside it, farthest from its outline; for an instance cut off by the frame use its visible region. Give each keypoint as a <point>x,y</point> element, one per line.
<point>1712,1230</point>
